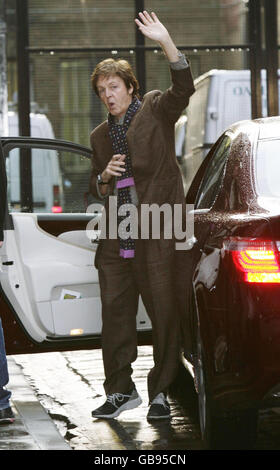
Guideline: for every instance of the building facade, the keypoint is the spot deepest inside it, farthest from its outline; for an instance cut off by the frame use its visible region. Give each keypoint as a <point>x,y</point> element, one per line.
<point>60,81</point>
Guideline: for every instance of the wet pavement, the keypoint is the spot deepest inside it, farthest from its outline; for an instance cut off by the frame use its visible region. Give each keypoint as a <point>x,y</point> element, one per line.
<point>33,429</point>
<point>70,386</point>
<point>53,395</point>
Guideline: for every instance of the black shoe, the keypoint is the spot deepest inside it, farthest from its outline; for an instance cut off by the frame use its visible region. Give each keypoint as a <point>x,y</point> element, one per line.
<point>116,403</point>
<point>6,416</point>
<point>160,408</point>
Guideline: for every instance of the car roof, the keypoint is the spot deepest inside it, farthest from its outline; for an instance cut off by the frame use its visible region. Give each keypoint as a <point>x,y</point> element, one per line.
<point>269,128</point>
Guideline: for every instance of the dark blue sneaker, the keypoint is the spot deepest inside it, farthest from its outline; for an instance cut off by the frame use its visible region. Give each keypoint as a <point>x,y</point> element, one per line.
<point>116,403</point>
<point>160,408</point>
<point>7,416</point>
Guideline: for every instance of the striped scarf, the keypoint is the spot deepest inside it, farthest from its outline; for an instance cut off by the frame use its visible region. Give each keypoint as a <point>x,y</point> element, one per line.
<point>117,134</point>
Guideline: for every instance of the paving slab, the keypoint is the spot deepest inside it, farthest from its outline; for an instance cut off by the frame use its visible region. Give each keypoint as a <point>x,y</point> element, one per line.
<point>33,429</point>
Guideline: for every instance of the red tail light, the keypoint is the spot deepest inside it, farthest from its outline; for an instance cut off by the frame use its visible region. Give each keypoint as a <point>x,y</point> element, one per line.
<point>256,260</point>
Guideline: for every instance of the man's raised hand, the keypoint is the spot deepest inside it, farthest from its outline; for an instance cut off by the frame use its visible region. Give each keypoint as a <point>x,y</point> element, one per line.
<point>151,27</point>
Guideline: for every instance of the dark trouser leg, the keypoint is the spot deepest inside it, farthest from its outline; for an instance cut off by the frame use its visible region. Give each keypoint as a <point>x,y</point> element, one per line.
<point>119,298</point>
<point>4,376</point>
<point>155,282</point>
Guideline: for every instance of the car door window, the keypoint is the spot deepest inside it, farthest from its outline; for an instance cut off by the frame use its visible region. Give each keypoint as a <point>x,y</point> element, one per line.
<point>213,176</point>
<point>60,180</point>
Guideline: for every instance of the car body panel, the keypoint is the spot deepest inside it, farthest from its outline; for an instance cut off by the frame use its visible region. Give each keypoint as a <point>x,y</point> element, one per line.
<point>239,323</point>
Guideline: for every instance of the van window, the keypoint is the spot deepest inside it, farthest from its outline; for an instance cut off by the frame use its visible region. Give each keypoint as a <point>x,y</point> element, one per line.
<point>236,102</point>
<point>196,114</point>
<point>267,168</point>
<point>213,176</point>
<point>60,180</point>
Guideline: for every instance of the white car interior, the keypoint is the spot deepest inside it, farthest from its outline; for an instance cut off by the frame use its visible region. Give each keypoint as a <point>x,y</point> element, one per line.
<point>52,283</point>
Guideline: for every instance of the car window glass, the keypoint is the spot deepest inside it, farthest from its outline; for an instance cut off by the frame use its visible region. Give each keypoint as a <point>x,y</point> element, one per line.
<point>60,180</point>
<point>213,176</point>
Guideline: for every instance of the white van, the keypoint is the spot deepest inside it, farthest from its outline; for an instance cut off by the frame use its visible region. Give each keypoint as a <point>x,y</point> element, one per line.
<point>46,175</point>
<point>222,97</point>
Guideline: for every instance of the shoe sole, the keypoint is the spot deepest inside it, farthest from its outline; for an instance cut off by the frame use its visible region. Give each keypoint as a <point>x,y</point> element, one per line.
<point>127,406</point>
<point>7,421</point>
<point>158,417</point>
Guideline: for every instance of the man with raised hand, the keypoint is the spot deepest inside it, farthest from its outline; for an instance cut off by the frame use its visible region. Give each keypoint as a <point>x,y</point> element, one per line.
<point>134,159</point>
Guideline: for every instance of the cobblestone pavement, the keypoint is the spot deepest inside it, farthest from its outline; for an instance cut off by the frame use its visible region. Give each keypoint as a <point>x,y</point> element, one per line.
<point>69,385</point>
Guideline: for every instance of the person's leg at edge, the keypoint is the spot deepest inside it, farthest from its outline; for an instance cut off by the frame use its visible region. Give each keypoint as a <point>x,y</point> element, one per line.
<point>6,413</point>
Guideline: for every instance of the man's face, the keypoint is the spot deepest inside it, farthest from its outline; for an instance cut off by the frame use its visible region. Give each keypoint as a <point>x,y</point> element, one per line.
<point>114,94</point>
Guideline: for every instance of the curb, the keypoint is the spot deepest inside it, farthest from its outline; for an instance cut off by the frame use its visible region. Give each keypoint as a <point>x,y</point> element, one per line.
<point>33,429</point>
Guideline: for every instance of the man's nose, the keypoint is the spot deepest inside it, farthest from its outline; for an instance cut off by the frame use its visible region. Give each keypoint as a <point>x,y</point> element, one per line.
<point>107,92</point>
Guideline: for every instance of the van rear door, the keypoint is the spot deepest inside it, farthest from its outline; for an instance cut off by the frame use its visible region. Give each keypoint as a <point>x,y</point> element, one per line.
<point>235,98</point>
<point>195,145</point>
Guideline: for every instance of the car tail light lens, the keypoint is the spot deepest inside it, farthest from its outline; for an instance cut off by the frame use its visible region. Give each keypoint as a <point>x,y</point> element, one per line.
<point>256,260</point>
<point>56,200</point>
<point>56,209</point>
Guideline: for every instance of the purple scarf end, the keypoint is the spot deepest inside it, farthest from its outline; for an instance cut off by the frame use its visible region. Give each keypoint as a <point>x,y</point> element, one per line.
<point>127,253</point>
<point>125,182</point>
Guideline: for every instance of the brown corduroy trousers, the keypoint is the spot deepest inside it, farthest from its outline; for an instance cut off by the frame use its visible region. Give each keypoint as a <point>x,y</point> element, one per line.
<point>151,275</point>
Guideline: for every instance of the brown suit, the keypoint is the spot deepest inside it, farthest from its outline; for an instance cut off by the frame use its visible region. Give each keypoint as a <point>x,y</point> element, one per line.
<point>158,180</point>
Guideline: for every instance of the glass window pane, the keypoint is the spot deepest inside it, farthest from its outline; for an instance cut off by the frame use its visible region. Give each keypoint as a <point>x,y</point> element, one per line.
<point>76,171</point>
<point>204,22</point>
<point>81,23</point>
<point>60,180</point>
<point>213,176</point>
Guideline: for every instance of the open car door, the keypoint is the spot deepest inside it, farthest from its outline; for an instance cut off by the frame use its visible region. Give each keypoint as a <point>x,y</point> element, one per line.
<point>50,297</point>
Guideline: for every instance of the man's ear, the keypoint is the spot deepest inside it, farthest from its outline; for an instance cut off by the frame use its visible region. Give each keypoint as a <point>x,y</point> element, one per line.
<point>130,90</point>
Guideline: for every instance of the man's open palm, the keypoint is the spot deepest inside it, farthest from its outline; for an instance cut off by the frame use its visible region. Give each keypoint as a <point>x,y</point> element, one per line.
<point>151,27</point>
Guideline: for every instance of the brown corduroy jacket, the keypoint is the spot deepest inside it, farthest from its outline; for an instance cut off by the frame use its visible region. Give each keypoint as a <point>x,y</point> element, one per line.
<point>151,144</point>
